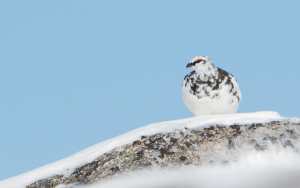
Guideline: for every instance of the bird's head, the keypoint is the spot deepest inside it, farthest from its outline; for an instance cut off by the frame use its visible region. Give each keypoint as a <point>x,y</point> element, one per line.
<point>201,64</point>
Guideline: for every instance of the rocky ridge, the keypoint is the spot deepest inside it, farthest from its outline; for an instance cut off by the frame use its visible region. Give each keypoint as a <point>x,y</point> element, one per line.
<point>203,146</point>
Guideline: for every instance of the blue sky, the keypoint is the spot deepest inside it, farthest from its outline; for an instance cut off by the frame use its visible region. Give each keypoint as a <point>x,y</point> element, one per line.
<point>75,73</point>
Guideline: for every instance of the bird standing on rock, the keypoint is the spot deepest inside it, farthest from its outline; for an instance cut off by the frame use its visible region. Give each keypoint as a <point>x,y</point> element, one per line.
<point>210,90</point>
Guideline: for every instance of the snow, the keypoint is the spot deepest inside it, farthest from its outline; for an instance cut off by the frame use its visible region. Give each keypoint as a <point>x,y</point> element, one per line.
<point>260,170</point>
<point>68,165</point>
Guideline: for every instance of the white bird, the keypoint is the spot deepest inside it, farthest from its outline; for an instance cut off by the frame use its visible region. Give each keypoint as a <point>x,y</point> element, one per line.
<point>210,90</point>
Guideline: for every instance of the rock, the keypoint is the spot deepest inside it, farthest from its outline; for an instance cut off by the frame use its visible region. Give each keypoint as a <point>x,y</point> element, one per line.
<point>173,150</point>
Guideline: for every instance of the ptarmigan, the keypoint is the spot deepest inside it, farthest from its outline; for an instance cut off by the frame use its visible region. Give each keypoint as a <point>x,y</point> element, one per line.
<point>210,90</point>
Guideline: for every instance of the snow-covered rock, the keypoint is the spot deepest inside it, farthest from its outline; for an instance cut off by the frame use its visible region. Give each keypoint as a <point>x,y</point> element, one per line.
<point>214,140</point>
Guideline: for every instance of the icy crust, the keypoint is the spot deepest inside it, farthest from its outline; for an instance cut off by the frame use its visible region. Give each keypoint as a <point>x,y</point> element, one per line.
<point>68,165</point>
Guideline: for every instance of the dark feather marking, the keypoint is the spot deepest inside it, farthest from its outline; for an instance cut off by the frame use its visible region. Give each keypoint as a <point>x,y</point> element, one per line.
<point>206,92</point>
<point>194,83</point>
<point>194,88</point>
<point>185,77</point>
<point>223,74</point>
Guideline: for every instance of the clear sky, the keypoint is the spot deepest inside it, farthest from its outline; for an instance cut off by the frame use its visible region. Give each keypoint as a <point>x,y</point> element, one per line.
<point>75,73</point>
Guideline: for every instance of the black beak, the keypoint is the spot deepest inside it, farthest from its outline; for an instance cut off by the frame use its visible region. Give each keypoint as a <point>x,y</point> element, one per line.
<point>190,65</point>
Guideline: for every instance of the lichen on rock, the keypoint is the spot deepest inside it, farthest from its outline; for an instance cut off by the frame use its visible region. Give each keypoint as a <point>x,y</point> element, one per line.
<point>212,145</point>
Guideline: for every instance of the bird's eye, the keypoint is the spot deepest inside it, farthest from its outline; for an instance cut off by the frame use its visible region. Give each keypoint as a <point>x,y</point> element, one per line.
<point>198,61</point>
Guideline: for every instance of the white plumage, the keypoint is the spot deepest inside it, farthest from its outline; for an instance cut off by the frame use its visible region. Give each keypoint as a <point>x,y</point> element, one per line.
<point>210,90</point>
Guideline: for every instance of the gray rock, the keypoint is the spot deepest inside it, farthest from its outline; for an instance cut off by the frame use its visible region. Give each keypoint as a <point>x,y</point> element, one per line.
<point>206,146</point>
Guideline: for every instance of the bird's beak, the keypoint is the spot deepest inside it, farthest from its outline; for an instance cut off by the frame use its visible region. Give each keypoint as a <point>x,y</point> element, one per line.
<point>189,65</point>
